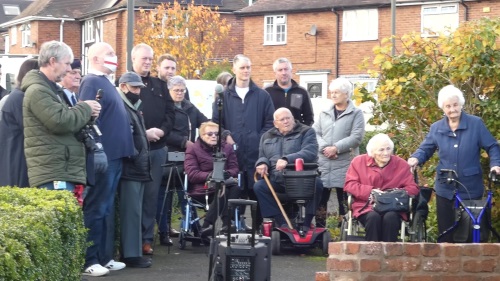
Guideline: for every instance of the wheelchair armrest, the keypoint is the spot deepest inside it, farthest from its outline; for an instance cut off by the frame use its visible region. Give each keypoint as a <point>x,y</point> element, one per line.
<point>350,200</point>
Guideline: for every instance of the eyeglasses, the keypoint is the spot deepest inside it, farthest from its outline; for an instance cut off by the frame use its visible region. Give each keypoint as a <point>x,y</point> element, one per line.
<point>211,134</point>
<point>180,91</point>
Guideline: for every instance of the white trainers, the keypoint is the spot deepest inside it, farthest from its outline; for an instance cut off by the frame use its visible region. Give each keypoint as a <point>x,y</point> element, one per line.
<point>115,265</point>
<point>95,270</point>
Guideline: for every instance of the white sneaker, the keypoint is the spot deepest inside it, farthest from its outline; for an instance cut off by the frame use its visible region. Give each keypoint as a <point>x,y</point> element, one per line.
<point>115,265</point>
<point>95,270</point>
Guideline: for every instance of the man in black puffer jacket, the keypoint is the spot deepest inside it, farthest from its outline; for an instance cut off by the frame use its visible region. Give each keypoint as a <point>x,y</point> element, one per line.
<point>136,172</point>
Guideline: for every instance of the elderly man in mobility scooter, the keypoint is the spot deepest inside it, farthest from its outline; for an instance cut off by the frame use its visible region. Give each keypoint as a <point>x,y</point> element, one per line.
<point>288,141</point>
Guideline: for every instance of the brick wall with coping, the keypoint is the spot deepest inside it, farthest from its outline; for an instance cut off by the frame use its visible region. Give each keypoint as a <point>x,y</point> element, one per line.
<point>372,261</point>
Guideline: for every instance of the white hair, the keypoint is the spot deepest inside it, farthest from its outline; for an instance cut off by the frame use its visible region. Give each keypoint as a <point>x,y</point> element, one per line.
<point>376,141</point>
<point>449,92</point>
<point>343,85</point>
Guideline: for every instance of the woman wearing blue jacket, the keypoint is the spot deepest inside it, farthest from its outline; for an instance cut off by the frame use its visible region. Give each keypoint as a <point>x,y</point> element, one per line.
<point>458,138</point>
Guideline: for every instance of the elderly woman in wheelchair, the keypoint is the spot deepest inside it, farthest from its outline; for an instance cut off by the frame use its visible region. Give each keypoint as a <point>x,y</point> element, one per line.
<point>378,171</point>
<point>199,165</point>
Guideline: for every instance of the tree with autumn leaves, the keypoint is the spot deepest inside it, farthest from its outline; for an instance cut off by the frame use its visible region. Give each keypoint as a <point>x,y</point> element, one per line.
<point>405,98</point>
<point>189,32</point>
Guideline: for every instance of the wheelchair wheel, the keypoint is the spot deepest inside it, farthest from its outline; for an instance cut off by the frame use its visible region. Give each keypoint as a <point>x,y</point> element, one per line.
<point>182,240</point>
<point>418,229</point>
<point>276,243</point>
<point>327,237</point>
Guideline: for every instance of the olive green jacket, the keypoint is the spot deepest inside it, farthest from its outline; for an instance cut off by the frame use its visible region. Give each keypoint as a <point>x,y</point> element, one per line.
<point>50,127</point>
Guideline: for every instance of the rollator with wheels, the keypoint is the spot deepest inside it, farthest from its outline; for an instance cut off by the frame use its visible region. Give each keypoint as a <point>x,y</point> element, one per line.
<point>472,216</point>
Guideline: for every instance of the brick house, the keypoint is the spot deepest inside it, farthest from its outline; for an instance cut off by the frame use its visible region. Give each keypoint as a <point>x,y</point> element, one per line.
<point>325,39</point>
<point>80,23</point>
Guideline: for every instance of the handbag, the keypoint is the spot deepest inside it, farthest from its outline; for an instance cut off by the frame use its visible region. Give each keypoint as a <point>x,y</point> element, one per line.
<point>393,200</point>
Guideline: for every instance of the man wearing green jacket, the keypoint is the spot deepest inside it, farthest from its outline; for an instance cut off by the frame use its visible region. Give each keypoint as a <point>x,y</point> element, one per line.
<point>54,155</point>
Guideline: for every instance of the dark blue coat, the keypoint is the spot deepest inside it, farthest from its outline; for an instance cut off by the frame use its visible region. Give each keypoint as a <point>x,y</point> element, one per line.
<point>13,170</point>
<point>247,121</point>
<point>459,151</point>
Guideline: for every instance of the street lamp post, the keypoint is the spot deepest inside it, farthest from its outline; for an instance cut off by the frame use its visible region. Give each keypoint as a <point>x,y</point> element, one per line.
<point>130,32</point>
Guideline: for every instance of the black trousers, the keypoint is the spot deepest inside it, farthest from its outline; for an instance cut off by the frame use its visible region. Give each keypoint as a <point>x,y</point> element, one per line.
<point>445,217</point>
<point>381,227</point>
<point>231,192</point>
<point>322,213</point>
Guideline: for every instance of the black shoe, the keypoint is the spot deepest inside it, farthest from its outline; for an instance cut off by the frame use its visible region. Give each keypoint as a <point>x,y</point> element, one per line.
<point>165,240</point>
<point>140,262</point>
<point>173,233</point>
<point>207,231</point>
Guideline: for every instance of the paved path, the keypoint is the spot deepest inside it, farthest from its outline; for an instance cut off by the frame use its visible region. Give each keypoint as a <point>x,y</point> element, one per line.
<point>192,264</point>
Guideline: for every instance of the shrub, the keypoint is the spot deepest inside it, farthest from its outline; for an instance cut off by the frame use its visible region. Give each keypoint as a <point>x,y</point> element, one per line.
<point>43,236</point>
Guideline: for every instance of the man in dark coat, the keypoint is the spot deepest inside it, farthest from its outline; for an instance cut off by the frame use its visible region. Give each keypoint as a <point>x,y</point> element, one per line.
<point>285,143</point>
<point>158,109</point>
<point>247,113</point>
<point>135,173</point>
<point>285,92</point>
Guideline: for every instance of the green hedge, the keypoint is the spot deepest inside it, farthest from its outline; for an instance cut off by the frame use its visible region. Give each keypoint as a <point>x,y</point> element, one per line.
<point>42,235</point>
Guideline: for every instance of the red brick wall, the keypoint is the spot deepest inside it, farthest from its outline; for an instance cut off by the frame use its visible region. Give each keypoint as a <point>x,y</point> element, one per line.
<point>411,262</point>
<point>233,45</point>
<point>43,31</point>
<point>306,54</point>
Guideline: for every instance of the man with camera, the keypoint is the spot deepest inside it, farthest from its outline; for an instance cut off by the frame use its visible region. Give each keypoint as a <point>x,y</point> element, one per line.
<point>98,204</point>
<point>54,156</point>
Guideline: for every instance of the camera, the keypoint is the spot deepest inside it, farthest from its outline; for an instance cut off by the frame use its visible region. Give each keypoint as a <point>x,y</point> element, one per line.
<point>86,137</point>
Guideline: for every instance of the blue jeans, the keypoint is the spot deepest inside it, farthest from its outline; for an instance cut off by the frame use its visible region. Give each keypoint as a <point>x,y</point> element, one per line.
<point>50,186</point>
<point>99,212</point>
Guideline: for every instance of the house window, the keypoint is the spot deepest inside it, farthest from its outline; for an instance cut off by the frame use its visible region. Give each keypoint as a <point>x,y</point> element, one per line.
<point>363,80</point>
<point>88,31</point>
<point>26,35</point>
<point>275,30</point>
<point>439,18</point>
<point>13,35</point>
<point>360,25</point>
<point>314,90</point>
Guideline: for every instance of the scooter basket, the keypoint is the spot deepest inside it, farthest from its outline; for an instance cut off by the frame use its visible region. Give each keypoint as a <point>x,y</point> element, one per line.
<point>300,185</point>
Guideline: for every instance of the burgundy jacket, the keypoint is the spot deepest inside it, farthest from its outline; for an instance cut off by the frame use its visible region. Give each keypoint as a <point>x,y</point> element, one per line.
<point>199,163</point>
<point>364,175</point>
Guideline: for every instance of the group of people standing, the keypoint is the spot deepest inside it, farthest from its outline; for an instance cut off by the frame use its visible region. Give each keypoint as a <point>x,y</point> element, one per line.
<point>116,138</point>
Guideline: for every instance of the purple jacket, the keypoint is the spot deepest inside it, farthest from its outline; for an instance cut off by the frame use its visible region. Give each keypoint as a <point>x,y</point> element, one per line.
<point>199,163</point>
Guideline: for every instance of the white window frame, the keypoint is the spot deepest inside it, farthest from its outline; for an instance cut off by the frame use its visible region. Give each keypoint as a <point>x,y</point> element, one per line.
<point>441,17</point>
<point>26,35</point>
<point>88,31</point>
<point>275,30</point>
<point>13,35</point>
<point>7,44</point>
<point>360,25</point>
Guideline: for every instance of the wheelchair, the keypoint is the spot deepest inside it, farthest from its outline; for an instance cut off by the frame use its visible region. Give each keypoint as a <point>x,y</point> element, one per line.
<point>414,229</point>
<point>300,188</point>
<point>190,227</point>
<point>472,216</point>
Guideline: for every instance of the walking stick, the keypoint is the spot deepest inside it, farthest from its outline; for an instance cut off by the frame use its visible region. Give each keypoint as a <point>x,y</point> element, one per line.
<point>277,200</point>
